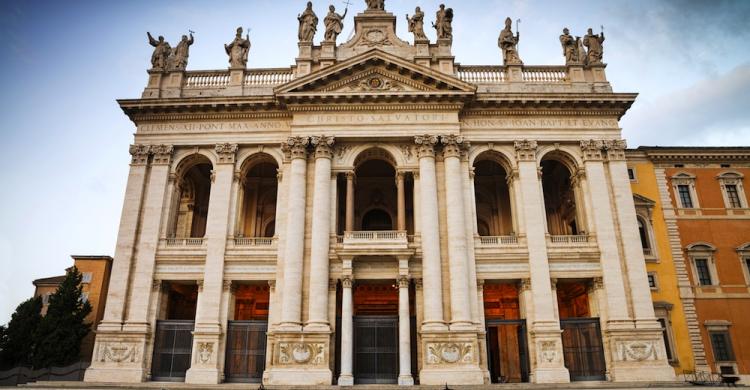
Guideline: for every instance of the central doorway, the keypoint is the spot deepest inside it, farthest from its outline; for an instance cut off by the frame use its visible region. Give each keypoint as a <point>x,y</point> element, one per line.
<point>246,334</point>
<point>508,358</point>
<point>173,339</point>
<point>375,333</point>
<point>581,335</point>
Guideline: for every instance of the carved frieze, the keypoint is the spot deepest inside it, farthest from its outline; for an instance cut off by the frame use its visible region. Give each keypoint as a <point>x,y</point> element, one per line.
<point>226,153</point>
<point>301,354</point>
<point>636,350</point>
<point>525,150</point>
<point>450,353</point>
<point>375,84</point>
<point>426,145</point>
<point>205,353</point>
<point>323,146</point>
<point>295,147</point>
<point>548,352</point>
<point>117,352</point>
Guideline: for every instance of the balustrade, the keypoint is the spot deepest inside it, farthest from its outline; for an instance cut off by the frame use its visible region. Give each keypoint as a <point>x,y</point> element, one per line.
<point>254,241</point>
<point>268,76</point>
<point>568,239</point>
<point>497,240</point>
<point>219,79</point>
<point>544,74</point>
<point>190,241</point>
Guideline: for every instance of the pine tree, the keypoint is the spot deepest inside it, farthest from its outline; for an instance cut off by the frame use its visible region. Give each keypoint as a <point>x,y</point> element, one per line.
<point>16,339</point>
<point>59,334</point>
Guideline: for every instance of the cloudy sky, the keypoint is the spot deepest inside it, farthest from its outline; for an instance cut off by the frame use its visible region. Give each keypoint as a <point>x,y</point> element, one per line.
<point>64,63</point>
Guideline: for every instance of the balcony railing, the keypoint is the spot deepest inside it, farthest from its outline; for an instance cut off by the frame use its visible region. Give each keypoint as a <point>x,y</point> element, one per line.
<point>190,241</point>
<point>381,238</point>
<point>496,240</point>
<point>254,241</point>
<point>544,74</point>
<point>481,74</point>
<point>569,239</point>
<point>208,79</point>
<point>257,77</point>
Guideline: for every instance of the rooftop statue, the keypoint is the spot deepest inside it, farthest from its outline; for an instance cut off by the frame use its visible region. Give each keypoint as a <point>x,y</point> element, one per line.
<point>375,4</point>
<point>334,24</point>
<point>443,21</point>
<point>595,49</point>
<point>570,46</point>
<point>416,24</point>
<point>238,50</point>
<point>308,24</point>
<point>180,54</point>
<point>508,44</point>
<point>161,54</point>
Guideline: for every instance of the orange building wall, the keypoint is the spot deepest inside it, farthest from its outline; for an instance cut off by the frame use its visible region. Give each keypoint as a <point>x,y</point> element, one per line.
<point>100,267</point>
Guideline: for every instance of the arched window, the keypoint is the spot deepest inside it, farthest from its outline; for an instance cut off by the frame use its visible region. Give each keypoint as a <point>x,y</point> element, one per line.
<point>258,198</point>
<point>377,219</point>
<point>192,192</point>
<point>492,197</point>
<point>559,199</point>
<point>643,232</point>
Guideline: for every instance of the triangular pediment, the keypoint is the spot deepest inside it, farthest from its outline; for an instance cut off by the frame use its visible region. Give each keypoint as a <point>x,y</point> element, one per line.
<point>641,200</point>
<point>375,73</point>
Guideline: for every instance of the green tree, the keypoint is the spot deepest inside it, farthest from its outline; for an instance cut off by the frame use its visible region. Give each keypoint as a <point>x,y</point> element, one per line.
<point>16,339</point>
<point>59,334</point>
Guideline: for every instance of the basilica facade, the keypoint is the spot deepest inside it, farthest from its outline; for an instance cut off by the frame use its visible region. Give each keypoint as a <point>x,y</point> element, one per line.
<point>378,213</point>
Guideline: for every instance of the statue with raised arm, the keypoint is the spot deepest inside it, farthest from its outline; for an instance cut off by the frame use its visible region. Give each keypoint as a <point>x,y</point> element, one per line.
<point>180,53</point>
<point>570,48</point>
<point>508,44</point>
<point>443,22</point>
<point>334,24</point>
<point>416,24</point>
<point>375,5</point>
<point>308,24</point>
<point>593,43</point>
<point>238,50</point>
<point>162,50</point>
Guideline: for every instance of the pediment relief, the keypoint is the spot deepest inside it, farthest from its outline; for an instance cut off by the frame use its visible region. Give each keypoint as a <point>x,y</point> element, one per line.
<point>377,80</point>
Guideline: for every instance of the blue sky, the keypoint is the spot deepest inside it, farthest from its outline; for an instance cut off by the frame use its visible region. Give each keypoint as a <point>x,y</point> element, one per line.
<point>64,63</point>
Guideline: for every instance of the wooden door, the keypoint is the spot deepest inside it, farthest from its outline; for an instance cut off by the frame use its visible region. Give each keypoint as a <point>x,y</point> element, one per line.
<point>246,351</point>
<point>582,349</point>
<point>507,350</point>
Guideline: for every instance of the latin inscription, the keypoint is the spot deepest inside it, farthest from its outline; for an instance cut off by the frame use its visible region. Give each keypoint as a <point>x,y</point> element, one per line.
<point>539,123</point>
<point>213,126</point>
<point>333,119</point>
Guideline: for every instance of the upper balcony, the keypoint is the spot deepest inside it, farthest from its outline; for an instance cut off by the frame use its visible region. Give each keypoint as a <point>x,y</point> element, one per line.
<point>375,240</point>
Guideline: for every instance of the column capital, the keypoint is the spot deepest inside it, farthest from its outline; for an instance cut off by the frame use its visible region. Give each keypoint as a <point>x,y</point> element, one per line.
<point>401,175</point>
<point>227,285</point>
<point>350,175</point>
<point>403,281</point>
<point>332,284</point>
<point>480,284</point>
<point>226,152</point>
<point>162,154</point>
<point>597,283</point>
<point>418,283</point>
<point>295,147</point>
<point>524,285</point>
<point>347,281</point>
<point>323,146</point>
<point>525,150</point>
<point>200,285</point>
<point>553,283</point>
<point>453,145</point>
<point>592,150</point>
<point>426,145</point>
<point>272,284</point>
<point>615,149</point>
<point>140,154</point>
<point>156,285</point>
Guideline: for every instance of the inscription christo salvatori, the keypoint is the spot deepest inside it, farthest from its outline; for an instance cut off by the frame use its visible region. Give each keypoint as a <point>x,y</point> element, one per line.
<point>213,126</point>
<point>538,123</point>
<point>373,118</point>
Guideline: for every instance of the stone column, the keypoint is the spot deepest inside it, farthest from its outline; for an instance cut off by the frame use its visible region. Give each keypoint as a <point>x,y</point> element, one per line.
<point>291,298</point>
<point>606,235</point>
<point>148,239</point>
<point>349,226</point>
<point>457,251</point>
<point>347,333</point>
<point>207,334</point>
<point>404,333</point>
<point>544,326</point>
<point>321,221</point>
<point>401,201</point>
<point>431,263</point>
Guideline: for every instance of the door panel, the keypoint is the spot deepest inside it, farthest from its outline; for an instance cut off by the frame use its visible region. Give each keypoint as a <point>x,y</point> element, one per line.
<point>246,351</point>
<point>507,350</point>
<point>375,349</point>
<point>582,349</point>
<point>173,345</point>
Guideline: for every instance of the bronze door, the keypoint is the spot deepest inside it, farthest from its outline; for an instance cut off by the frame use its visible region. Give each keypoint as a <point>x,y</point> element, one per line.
<point>246,351</point>
<point>582,348</point>
<point>375,349</point>
<point>173,346</point>
<point>507,351</point>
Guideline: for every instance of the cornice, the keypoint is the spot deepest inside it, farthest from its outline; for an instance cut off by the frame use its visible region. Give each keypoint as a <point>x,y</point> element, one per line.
<point>377,107</point>
<point>162,117</point>
<point>474,111</point>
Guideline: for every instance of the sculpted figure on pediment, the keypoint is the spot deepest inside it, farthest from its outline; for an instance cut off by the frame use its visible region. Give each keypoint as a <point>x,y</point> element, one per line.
<point>570,47</point>
<point>238,50</point>
<point>508,44</point>
<point>161,53</point>
<point>593,43</point>
<point>375,5</point>
<point>180,54</point>
<point>443,22</point>
<point>334,24</point>
<point>308,24</point>
<point>416,24</point>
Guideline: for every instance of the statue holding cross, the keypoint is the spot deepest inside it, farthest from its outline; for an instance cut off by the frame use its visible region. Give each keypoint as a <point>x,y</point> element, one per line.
<point>378,5</point>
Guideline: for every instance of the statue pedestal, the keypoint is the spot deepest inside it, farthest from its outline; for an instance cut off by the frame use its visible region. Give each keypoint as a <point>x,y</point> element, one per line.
<point>597,73</point>
<point>422,57</point>
<point>236,80</point>
<point>172,84</point>
<point>327,53</point>
<point>304,59</point>
<point>153,88</point>
<point>575,73</point>
<point>514,73</point>
<point>299,359</point>
<point>444,56</point>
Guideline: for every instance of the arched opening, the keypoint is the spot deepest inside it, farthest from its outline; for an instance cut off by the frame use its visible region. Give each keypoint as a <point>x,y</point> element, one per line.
<point>559,199</point>
<point>492,196</point>
<point>377,219</point>
<point>643,233</point>
<point>257,210</point>
<point>375,191</point>
<point>193,190</point>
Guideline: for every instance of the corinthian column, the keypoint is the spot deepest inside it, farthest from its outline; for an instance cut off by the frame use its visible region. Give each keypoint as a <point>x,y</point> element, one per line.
<point>349,225</point>
<point>457,252</point>
<point>431,268</point>
<point>291,297</point>
<point>400,202</point>
<point>347,330</point>
<point>321,226</point>
<point>404,334</point>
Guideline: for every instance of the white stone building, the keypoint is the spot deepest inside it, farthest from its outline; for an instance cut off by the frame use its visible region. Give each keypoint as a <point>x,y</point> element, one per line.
<point>386,216</point>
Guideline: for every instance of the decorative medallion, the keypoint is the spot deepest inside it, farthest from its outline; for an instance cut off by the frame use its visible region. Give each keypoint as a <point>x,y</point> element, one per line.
<point>449,353</point>
<point>301,353</point>
<point>375,83</point>
<point>205,351</point>
<point>375,37</point>
<point>548,351</point>
<point>637,351</point>
<point>118,352</point>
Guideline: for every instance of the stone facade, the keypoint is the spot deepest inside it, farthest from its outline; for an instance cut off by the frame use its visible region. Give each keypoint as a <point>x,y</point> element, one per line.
<point>376,145</point>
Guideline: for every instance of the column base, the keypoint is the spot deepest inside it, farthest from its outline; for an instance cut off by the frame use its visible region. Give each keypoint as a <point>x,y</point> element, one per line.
<point>639,355</point>
<point>551,375</point>
<point>451,376</point>
<point>205,363</point>
<point>297,377</point>
<point>546,344</point>
<point>450,358</point>
<point>298,359</point>
<point>203,376</point>
<point>346,380</point>
<point>119,357</point>
<point>405,380</point>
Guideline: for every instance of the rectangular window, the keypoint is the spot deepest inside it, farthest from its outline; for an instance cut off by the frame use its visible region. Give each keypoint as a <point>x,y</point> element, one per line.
<point>86,277</point>
<point>747,266</point>
<point>631,174</point>
<point>665,335</point>
<point>652,281</point>
<point>722,346</point>
<point>726,370</point>
<point>733,196</point>
<point>685,199</point>
<point>704,275</point>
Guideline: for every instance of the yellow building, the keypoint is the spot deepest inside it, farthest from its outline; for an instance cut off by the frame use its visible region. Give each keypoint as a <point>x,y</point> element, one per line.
<point>674,310</point>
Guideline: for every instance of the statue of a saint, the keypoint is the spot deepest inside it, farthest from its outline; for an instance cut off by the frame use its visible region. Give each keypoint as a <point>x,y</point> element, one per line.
<point>507,43</point>
<point>443,22</point>
<point>162,50</point>
<point>593,43</point>
<point>570,47</point>
<point>308,24</point>
<point>238,50</point>
<point>334,24</point>
<point>375,4</point>
<point>180,54</point>
<point>416,24</point>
